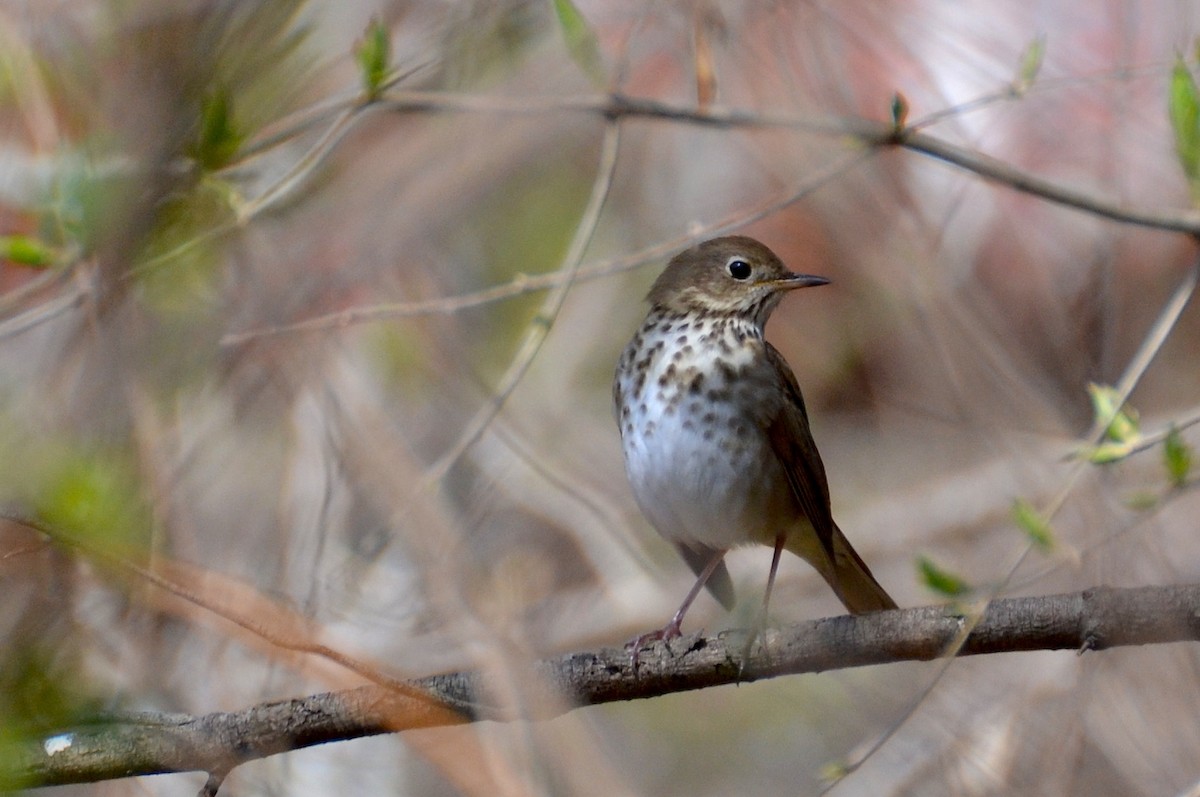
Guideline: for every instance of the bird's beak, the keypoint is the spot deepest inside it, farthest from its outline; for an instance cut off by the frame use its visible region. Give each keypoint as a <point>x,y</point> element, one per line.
<point>793,281</point>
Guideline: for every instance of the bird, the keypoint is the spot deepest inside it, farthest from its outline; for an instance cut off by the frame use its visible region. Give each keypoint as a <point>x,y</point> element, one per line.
<point>715,434</point>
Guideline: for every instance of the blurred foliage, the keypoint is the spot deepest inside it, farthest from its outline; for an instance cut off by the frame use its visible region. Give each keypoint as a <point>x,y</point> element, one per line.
<point>400,356</point>
<point>1122,430</point>
<point>237,67</point>
<point>1122,422</point>
<point>940,580</point>
<point>1177,458</point>
<point>261,57</point>
<point>525,228</point>
<point>1143,500</point>
<point>1184,108</point>
<point>218,139</point>
<point>90,494</point>
<point>88,196</point>
<point>40,693</point>
<point>899,111</point>
<point>582,43</point>
<point>1033,524</point>
<point>374,54</point>
<point>489,40</point>
<point>180,266</point>
<point>1029,66</point>
<point>26,251</point>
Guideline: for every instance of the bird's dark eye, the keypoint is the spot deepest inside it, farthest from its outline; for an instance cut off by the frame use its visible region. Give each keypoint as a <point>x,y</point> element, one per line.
<point>739,269</point>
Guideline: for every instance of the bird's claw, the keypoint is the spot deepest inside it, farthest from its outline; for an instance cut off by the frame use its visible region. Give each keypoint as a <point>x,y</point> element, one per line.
<point>665,634</point>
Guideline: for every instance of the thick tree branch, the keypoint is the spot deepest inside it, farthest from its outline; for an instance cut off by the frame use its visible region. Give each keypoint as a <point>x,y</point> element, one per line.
<point>143,744</point>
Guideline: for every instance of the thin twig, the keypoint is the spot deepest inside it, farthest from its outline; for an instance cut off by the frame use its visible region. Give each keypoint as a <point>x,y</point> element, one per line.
<point>305,166</point>
<point>1186,221</point>
<point>544,319</point>
<point>524,284</point>
<point>260,630</point>
<point>1151,345</point>
<point>867,133</point>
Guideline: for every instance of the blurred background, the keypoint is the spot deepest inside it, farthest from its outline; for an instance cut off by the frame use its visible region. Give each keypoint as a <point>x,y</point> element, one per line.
<point>181,183</point>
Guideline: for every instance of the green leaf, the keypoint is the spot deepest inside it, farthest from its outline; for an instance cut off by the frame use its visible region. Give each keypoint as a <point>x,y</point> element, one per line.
<point>940,580</point>
<point>1107,453</point>
<point>834,771</point>
<point>26,251</point>
<point>1142,501</point>
<point>218,140</point>
<point>581,41</point>
<point>1036,527</point>
<point>1184,108</point>
<point>1122,423</point>
<point>1030,65</point>
<point>1177,456</point>
<point>45,690</point>
<point>93,497</point>
<point>899,111</point>
<point>374,58</point>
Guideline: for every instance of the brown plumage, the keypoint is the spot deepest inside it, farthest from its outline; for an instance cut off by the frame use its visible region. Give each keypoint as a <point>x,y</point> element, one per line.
<point>714,429</point>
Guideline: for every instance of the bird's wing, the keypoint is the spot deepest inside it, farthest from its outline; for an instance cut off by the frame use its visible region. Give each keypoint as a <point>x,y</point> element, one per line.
<point>797,452</point>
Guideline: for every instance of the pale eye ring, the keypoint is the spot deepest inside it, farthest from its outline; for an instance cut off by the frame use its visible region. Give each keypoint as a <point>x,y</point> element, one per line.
<point>739,269</point>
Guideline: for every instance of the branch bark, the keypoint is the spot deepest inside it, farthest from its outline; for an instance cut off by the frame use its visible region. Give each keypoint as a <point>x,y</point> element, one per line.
<point>148,743</point>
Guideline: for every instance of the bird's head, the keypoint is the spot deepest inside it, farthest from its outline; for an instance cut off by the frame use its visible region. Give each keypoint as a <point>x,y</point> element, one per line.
<point>731,276</point>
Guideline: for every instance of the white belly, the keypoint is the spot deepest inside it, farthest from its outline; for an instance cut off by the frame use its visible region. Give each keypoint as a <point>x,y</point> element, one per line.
<point>701,469</point>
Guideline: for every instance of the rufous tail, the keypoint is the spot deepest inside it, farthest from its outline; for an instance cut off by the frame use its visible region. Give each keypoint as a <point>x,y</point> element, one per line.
<point>847,574</point>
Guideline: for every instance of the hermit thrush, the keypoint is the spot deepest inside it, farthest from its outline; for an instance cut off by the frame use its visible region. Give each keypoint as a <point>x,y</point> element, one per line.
<point>716,437</point>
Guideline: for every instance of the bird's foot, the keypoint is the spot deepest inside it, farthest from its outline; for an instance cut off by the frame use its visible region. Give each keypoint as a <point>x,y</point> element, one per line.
<point>756,632</point>
<point>666,634</point>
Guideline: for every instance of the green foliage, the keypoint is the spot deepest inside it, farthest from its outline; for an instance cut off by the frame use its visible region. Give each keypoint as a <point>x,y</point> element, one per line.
<point>940,580</point>
<point>374,55</point>
<point>1122,432</point>
<point>899,111</point>
<point>1122,423</point>
<point>260,57</point>
<point>39,694</point>
<point>1184,108</point>
<point>489,40</point>
<point>35,697</point>
<point>834,771</point>
<point>92,496</point>
<point>218,139</point>
<point>26,251</point>
<point>86,202</point>
<point>527,226</point>
<point>1142,500</point>
<point>180,264</point>
<point>582,43</point>
<point>1030,521</point>
<point>1107,453</point>
<point>1177,457</point>
<point>400,355</point>
<point>1030,65</point>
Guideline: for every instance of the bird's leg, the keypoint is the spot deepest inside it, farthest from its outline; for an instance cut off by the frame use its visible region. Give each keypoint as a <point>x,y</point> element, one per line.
<point>779,543</point>
<point>672,629</point>
<point>761,624</point>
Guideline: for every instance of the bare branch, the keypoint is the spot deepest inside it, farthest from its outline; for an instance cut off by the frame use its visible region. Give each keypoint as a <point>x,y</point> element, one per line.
<point>144,744</point>
<point>1186,221</point>
<point>870,135</point>
<point>865,131</point>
